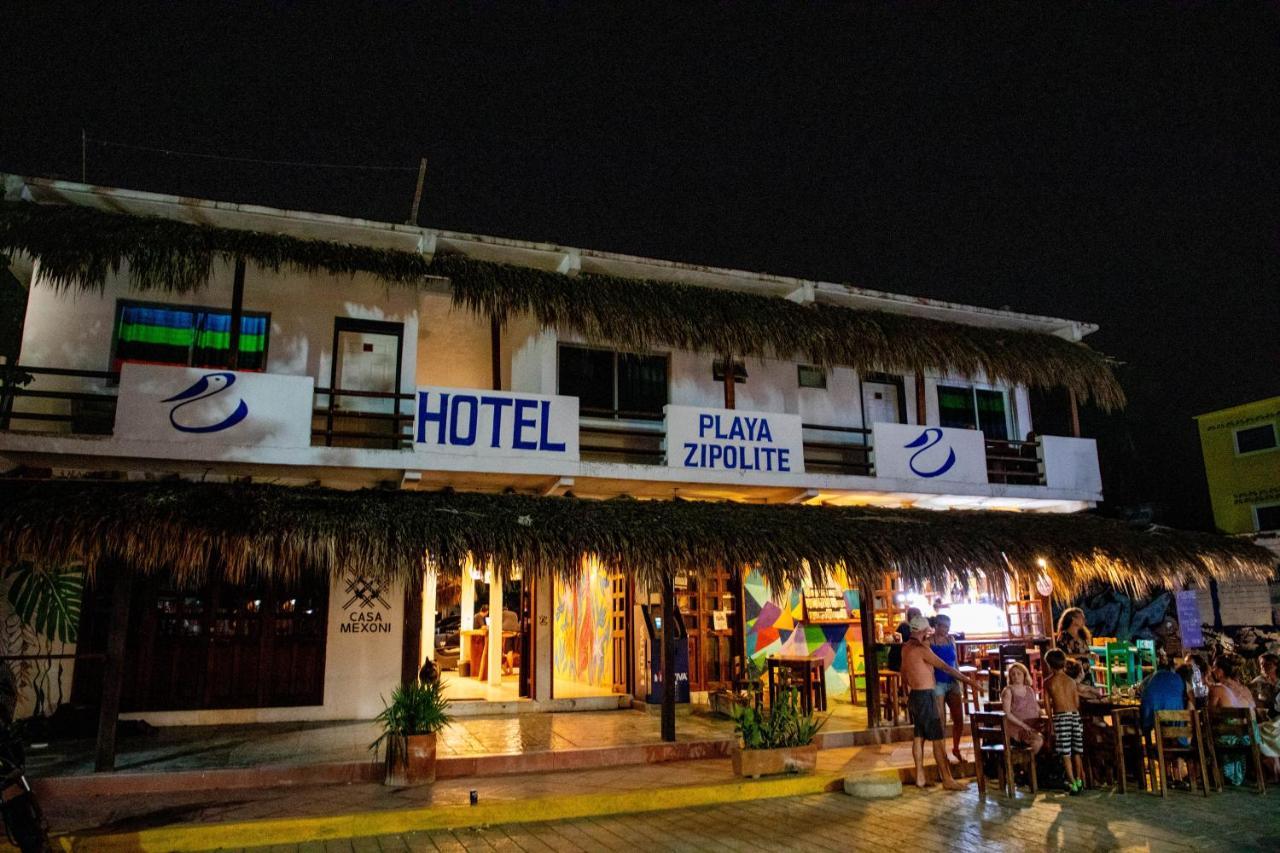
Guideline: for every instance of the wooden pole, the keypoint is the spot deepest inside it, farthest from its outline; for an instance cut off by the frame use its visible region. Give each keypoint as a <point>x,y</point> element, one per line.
<point>867,613</point>
<point>237,314</point>
<point>1075,413</point>
<point>495,352</point>
<point>113,669</point>
<point>417,191</point>
<point>84,157</point>
<point>920,404</point>
<point>411,647</point>
<point>668,658</point>
<point>730,383</point>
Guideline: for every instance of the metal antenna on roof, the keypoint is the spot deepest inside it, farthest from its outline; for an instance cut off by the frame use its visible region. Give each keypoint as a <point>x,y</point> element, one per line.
<point>417,192</point>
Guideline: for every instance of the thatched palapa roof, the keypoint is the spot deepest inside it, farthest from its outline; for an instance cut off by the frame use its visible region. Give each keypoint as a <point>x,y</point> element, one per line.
<point>79,246</point>
<point>241,531</point>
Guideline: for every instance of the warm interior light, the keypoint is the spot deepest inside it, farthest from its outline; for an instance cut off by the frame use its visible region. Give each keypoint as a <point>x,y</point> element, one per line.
<point>1042,562</point>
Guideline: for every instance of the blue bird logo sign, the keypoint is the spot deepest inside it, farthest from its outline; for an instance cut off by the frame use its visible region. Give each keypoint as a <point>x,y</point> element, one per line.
<point>926,441</point>
<point>206,387</point>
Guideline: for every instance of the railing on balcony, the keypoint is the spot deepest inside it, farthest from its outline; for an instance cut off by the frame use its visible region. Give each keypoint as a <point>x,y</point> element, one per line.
<point>840,450</point>
<point>83,402</point>
<point>373,420</point>
<point>617,435</point>
<point>83,411</point>
<point>1014,463</point>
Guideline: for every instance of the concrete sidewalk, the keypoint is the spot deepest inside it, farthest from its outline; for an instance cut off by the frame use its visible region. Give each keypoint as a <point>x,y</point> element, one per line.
<point>210,819</point>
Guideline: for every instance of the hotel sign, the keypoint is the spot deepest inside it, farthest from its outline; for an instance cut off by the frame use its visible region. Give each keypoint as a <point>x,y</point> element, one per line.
<point>936,454</point>
<point>733,440</point>
<point>211,406</point>
<point>470,422</point>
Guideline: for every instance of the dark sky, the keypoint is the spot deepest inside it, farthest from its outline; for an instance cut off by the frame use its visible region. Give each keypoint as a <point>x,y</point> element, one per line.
<point>1114,164</point>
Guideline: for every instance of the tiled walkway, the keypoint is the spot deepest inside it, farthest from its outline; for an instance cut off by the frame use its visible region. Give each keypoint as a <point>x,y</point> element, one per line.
<point>293,744</point>
<point>121,813</point>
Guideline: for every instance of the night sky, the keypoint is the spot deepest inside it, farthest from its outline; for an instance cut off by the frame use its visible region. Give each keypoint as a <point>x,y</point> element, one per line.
<point>1117,165</point>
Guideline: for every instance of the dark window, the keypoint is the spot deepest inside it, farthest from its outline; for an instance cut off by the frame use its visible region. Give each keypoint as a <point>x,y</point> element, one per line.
<point>1268,517</point>
<point>811,377</point>
<point>974,408</point>
<point>1257,438</point>
<point>613,384</point>
<point>187,335</point>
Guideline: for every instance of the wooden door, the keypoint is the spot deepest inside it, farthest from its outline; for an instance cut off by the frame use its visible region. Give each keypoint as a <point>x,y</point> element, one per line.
<point>711,651</point>
<point>620,630</point>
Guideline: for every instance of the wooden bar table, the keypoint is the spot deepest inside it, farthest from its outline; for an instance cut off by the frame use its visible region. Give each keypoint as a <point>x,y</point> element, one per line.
<point>801,665</point>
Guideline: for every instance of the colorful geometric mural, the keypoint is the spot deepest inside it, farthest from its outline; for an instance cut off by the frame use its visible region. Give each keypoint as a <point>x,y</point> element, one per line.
<point>583,646</point>
<point>776,627</point>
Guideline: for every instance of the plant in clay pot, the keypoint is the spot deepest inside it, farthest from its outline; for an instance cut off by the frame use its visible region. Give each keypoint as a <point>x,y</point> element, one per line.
<point>410,722</point>
<point>777,741</point>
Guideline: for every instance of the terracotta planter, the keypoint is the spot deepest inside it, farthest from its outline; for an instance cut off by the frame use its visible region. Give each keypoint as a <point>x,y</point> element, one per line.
<point>771,762</point>
<point>415,764</point>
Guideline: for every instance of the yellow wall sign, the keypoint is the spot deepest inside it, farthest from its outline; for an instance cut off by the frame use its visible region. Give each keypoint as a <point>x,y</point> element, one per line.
<point>1241,448</point>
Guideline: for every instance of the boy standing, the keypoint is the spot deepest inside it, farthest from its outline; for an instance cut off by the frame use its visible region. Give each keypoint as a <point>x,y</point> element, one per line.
<point>1068,730</point>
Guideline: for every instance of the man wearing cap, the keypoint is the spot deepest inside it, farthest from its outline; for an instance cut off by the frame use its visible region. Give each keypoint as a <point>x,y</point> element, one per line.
<point>918,664</point>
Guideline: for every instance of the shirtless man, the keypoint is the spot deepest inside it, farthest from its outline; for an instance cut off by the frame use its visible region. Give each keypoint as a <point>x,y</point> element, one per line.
<point>918,664</point>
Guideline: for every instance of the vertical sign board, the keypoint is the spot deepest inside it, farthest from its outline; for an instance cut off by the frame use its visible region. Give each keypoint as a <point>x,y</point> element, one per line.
<point>1189,619</point>
<point>937,454</point>
<point>213,407</point>
<point>471,422</point>
<point>734,440</point>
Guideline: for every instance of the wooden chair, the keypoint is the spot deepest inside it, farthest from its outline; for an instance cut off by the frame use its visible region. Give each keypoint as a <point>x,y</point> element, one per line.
<point>1131,740</point>
<point>818,686</point>
<point>1146,655</point>
<point>991,739</point>
<point>890,684</point>
<point>1172,727</point>
<point>1099,749</point>
<point>1241,725</point>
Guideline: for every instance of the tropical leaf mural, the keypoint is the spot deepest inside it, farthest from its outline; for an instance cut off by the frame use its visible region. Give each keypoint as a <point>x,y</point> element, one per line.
<point>47,599</point>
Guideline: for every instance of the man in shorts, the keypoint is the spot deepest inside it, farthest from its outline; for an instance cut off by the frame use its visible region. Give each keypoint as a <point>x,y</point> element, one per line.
<point>918,664</point>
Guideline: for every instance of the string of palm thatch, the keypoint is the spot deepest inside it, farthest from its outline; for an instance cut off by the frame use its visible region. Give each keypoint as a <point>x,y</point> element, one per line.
<point>642,313</point>
<point>79,247</point>
<point>241,531</point>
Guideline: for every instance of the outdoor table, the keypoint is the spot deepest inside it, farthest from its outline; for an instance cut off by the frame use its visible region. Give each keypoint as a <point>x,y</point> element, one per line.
<point>1118,712</point>
<point>801,665</point>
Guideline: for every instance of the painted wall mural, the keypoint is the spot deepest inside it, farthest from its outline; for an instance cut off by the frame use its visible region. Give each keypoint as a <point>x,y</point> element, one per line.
<point>778,628</point>
<point>40,615</point>
<point>583,646</point>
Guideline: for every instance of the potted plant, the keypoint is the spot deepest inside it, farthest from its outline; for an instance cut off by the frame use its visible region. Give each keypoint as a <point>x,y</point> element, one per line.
<point>410,721</point>
<point>779,741</point>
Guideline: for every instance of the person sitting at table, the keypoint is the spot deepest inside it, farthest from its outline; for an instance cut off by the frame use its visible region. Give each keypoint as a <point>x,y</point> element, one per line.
<point>1227,692</point>
<point>1164,691</point>
<point>1269,730</point>
<point>1075,640</point>
<point>1021,707</point>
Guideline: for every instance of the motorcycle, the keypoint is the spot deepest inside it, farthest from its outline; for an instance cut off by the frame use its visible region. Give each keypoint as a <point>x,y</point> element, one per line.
<point>24,822</point>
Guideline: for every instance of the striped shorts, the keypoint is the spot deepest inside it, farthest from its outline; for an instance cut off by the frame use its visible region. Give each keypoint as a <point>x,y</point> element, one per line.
<point>1068,733</point>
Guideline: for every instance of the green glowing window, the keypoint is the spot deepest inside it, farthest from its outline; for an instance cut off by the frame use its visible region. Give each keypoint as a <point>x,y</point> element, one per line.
<point>187,335</point>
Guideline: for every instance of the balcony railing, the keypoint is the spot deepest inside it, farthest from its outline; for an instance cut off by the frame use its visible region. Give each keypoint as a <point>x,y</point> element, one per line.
<point>83,402</point>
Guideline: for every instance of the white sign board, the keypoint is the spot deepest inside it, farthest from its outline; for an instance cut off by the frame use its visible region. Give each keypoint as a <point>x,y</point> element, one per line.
<point>210,406</point>
<point>929,453</point>
<point>733,440</point>
<point>1244,603</point>
<point>471,422</point>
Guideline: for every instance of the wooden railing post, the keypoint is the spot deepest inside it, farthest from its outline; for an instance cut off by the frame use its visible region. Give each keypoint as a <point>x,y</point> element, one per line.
<point>668,658</point>
<point>113,667</point>
<point>871,667</point>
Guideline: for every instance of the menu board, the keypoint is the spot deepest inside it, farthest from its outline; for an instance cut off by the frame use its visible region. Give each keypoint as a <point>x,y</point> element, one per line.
<point>1189,619</point>
<point>825,605</point>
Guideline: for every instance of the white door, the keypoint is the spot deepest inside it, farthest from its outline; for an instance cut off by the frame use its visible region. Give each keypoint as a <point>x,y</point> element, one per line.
<point>880,403</point>
<point>366,362</point>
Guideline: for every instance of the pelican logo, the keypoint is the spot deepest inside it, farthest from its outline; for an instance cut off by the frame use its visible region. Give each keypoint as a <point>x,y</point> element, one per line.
<point>927,441</point>
<point>205,388</point>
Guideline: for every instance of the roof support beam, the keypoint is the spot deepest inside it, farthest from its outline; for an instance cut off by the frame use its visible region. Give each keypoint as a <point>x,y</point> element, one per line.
<point>804,293</point>
<point>570,264</point>
<point>558,487</point>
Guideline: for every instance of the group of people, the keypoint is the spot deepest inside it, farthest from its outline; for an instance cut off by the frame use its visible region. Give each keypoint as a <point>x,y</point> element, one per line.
<point>927,659</point>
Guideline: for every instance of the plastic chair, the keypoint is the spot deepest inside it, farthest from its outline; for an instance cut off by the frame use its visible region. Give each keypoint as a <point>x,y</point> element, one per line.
<point>1119,665</point>
<point>990,734</point>
<point>1172,728</point>
<point>1146,655</point>
<point>1241,725</point>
